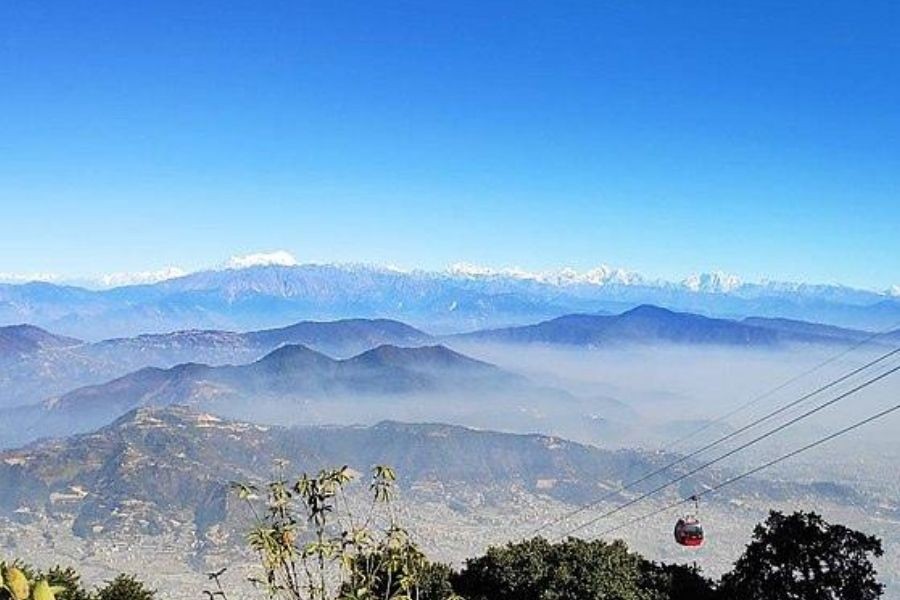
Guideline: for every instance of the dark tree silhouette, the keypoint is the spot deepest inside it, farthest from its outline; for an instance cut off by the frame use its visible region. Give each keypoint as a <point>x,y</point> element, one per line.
<point>125,587</point>
<point>435,582</point>
<point>803,557</point>
<point>70,580</point>
<point>677,582</point>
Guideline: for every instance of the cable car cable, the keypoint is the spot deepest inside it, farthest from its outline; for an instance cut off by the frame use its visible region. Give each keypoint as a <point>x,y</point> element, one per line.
<point>755,470</point>
<point>734,451</point>
<point>717,442</point>
<point>781,386</point>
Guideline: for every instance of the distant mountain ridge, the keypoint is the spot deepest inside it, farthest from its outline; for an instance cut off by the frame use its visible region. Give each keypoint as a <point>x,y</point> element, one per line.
<point>17,341</point>
<point>649,324</point>
<point>463,298</point>
<point>289,380</point>
<point>55,364</point>
<point>48,369</point>
<point>157,469</point>
<point>819,331</point>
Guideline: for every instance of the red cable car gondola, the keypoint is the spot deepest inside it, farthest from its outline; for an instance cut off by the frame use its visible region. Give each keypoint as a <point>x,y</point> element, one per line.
<point>688,530</point>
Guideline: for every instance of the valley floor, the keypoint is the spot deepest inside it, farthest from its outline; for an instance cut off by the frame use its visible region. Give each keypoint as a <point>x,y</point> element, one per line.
<point>451,531</point>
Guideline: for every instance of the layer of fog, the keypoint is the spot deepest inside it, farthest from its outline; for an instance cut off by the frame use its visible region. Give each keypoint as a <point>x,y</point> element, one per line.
<point>650,397</point>
<point>672,391</point>
<point>645,397</point>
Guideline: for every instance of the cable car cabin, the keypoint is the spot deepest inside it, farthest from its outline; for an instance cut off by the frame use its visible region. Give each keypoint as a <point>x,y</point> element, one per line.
<point>689,532</point>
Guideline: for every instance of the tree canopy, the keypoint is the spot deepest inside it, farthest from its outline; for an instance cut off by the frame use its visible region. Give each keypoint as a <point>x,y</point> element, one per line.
<point>538,570</point>
<point>803,557</point>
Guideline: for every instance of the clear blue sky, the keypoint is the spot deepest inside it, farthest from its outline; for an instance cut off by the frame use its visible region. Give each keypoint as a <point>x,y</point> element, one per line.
<point>666,137</point>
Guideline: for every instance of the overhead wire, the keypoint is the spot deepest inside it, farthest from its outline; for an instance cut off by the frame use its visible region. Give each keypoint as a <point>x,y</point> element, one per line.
<point>754,470</point>
<point>735,450</point>
<point>683,458</point>
<point>771,392</point>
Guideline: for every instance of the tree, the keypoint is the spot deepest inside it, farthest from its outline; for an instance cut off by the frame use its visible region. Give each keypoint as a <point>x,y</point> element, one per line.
<point>677,582</point>
<point>313,546</point>
<point>68,581</point>
<point>20,581</point>
<point>538,570</point>
<point>125,587</point>
<point>802,557</point>
<point>435,582</point>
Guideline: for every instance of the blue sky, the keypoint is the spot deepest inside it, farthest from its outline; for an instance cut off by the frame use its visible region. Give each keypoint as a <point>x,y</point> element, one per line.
<point>665,137</point>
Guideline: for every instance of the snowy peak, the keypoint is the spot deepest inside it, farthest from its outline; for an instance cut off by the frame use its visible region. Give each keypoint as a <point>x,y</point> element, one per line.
<point>266,291</point>
<point>278,258</point>
<point>716,282</point>
<point>601,275</point>
<point>112,280</point>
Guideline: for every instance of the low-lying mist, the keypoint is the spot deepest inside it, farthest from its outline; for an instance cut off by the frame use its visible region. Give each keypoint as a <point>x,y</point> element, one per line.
<point>651,396</point>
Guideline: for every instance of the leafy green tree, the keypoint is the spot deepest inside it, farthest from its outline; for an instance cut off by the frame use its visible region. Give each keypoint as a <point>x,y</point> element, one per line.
<point>19,581</point>
<point>435,582</point>
<point>68,580</point>
<point>125,587</point>
<point>535,569</point>
<point>802,557</point>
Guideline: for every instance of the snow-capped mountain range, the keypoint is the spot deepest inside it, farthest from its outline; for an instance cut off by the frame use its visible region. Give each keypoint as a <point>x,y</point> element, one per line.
<point>710,282</point>
<point>271,289</point>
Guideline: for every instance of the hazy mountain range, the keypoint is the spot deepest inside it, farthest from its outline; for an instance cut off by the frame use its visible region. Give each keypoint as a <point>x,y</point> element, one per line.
<point>19,341</point>
<point>297,385</point>
<point>461,299</point>
<point>647,324</point>
<point>31,371</point>
<point>36,364</point>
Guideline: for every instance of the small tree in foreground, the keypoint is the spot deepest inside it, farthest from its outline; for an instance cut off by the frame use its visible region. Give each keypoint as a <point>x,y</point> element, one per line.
<point>312,545</point>
<point>125,587</point>
<point>68,583</point>
<point>20,581</point>
<point>802,557</point>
